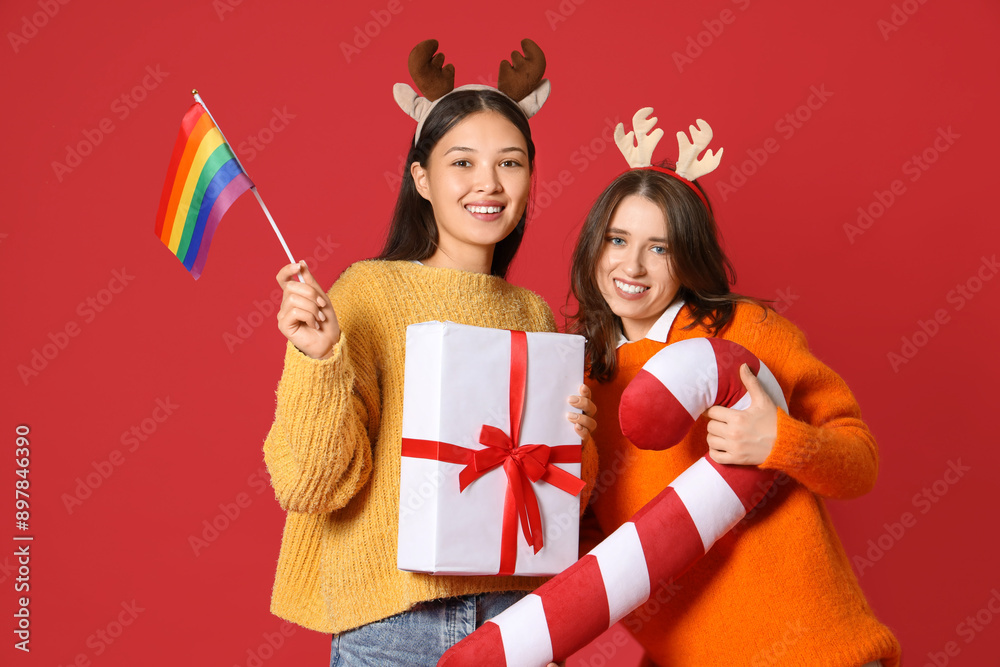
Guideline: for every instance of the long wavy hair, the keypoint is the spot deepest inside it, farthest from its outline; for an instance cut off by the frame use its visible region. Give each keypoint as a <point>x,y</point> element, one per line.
<point>699,263</point>
<point>413,231</point>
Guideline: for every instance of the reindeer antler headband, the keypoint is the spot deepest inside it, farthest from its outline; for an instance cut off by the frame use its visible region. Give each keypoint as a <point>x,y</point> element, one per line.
<point>521,81</point>
<point>637,147</point>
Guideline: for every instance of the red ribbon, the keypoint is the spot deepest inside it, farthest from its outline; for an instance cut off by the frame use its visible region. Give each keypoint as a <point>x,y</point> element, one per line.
<point>523,464</point>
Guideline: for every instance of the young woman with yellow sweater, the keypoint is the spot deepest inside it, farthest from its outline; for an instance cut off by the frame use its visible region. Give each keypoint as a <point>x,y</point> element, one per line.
<point>333,451</point>
<point>648,271</point>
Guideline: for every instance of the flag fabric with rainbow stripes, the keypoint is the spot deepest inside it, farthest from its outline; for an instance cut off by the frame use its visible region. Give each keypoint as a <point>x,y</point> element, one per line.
<point>203,181</point>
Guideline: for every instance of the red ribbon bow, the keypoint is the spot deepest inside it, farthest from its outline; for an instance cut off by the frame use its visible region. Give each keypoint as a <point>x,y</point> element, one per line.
<point>523,464</point>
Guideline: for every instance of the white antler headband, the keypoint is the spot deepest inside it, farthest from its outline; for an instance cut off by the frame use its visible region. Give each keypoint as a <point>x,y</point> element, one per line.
<point>688,164</point>
<point>637,146</point>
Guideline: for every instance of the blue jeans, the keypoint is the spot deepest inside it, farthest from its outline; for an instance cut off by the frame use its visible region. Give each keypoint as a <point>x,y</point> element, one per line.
<point>420,636</point>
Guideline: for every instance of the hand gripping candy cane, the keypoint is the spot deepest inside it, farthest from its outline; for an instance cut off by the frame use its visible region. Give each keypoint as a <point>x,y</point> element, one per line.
<point>663,538</point>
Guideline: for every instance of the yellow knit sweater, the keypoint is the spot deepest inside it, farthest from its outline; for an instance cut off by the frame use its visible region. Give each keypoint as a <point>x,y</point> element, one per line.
<point>334,448</point>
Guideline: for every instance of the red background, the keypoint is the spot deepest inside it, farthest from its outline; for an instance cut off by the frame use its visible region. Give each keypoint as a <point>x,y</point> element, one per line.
<point>327,178</point>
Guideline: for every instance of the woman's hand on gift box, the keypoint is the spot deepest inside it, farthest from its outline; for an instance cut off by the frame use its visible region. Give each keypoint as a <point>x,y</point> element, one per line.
<point>306,316</point>
<point>585,424</point>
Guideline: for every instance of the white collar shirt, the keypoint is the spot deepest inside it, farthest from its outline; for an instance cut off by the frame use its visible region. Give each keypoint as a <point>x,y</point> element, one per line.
<point>661,328</point>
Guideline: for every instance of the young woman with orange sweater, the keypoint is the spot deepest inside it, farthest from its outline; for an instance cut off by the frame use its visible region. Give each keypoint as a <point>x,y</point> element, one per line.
<point>648,271</point>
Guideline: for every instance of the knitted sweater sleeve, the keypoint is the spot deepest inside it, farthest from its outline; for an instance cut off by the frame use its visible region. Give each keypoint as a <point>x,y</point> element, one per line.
<point>319,449</point>
<point>822,441</point>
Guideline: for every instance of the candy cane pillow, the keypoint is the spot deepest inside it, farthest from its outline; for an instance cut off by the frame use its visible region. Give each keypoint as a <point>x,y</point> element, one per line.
<point>663,538</point>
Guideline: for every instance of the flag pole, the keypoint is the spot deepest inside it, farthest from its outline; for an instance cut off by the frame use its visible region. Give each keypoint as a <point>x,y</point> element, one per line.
<point>253,188</point>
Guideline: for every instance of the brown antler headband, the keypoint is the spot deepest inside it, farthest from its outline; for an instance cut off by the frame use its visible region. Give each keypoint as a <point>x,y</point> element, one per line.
<point>428,71</point>
<point>520,79</point>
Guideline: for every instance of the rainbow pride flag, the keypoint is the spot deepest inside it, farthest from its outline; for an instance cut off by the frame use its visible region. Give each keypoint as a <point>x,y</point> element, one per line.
<point>203,181</point>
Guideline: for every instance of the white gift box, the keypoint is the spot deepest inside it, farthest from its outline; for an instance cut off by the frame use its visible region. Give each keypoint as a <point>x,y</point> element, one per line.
<point>458,379</point>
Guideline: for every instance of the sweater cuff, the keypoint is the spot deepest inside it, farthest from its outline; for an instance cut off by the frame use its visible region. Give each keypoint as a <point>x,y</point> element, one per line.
<point>793,447</point>
<point>303,368</point>
<point>307,385</point>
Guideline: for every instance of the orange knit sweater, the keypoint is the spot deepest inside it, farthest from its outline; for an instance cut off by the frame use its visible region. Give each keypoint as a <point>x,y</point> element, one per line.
<point>778,589</point>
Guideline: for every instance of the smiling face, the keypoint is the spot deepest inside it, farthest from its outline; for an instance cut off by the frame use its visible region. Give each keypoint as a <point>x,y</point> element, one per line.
<point>477,179</point>
<point>634,272</point>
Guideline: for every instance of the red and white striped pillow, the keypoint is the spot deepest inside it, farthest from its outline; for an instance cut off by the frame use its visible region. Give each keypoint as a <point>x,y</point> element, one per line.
<point>663,538</point>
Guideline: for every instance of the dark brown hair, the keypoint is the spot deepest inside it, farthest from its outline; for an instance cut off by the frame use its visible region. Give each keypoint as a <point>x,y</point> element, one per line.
<point>700,266</point>
<point>412,229</point>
